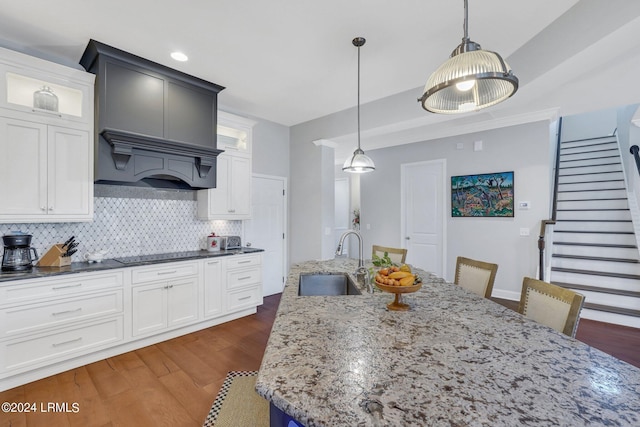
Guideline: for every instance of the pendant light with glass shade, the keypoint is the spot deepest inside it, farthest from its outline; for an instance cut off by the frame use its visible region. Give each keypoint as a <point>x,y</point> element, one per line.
<point>471,79</point>
<point>359,162</point>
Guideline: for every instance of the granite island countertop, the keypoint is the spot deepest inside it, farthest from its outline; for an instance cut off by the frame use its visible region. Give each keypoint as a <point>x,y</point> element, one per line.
<point>453,359</point>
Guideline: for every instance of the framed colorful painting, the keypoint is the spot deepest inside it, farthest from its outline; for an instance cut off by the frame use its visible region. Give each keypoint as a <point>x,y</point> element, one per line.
<point>483,195</point>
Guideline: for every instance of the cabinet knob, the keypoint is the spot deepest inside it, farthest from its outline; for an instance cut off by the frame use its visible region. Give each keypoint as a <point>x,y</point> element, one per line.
<point>43,208</point>
<point>51,208</point>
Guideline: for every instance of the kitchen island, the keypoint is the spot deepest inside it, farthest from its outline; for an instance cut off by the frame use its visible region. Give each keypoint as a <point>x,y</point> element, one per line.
<point>453,359</point>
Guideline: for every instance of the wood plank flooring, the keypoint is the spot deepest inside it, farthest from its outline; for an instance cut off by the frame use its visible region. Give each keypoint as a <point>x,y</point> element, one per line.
<point>174,383</point>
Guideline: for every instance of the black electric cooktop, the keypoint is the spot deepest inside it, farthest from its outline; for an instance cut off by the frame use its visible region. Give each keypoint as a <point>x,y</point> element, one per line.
<point>158,257</point>
<point>141,259</point>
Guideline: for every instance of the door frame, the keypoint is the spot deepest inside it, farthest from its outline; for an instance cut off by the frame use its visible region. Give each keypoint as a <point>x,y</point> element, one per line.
<point>403,225</point>
<point>285,219</point>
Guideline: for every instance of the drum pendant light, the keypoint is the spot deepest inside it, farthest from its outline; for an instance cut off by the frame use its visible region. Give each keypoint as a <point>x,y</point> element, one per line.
<point>471,79</point>
<point>359,162</point>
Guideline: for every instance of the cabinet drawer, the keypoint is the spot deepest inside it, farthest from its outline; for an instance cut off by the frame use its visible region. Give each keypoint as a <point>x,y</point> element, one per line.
<point>164,272</point>
<point>244,298</point>
<point>32,317</point>
<point>240,278</point>
<point>242,261</point>
<point>64,286</point>
<point>27,353</point>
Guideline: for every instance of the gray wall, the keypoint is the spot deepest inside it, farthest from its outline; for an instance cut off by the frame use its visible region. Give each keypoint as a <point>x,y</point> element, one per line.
<point>306,198</point>
<point>270,148</point>
<point>523,149</point>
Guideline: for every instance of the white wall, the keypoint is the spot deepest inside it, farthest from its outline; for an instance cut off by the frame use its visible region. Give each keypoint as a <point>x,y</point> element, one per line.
<point>628,135</point>
<point>589,125</point>
<point>523,149</point>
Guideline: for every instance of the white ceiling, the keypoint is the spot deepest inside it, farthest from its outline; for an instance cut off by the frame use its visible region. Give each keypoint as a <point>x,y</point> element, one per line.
<point>291,61</point>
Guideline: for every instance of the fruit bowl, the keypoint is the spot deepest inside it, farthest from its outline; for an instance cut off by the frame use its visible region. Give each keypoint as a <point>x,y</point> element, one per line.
<point>397,304</point>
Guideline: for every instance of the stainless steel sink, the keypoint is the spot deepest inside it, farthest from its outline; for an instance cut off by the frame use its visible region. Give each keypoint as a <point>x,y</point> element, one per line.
<point>314,284</point>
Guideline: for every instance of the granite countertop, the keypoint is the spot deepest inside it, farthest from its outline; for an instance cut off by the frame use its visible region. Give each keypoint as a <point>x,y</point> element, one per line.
<point>123,262</point>
<point>454,359</point>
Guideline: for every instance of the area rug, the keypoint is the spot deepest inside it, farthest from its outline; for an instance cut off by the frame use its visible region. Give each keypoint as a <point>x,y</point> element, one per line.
<point>238,404</point>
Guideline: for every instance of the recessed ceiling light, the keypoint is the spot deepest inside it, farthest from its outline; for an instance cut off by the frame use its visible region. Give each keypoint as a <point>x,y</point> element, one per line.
<point>179,56</point>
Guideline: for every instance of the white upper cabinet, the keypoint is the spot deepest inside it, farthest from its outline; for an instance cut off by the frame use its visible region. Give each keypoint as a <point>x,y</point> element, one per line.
<point>233,142</point>
<point>231,199</point>
<point>45,89</point>
<point>46,173</point>
<point>46,141</point>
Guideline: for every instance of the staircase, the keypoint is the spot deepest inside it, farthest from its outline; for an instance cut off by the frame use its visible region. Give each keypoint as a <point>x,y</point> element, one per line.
<point>594,247</point>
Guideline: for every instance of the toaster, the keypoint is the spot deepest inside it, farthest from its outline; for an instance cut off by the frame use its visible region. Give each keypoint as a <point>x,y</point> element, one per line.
<point>231,242</point>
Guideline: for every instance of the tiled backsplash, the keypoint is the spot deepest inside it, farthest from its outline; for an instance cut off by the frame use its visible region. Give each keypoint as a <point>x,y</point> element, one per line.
<point>131,226</point>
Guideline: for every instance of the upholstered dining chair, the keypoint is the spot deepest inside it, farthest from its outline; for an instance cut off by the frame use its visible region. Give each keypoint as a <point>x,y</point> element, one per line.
<point>551,305</point>
<point>396,255</point>
<point>476,276</point>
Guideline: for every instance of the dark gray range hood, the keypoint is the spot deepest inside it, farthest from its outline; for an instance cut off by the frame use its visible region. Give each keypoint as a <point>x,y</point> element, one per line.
<point>155,126</point>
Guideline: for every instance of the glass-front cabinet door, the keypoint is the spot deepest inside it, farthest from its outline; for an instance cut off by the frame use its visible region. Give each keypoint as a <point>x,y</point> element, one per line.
<point>44,96</point>
<point>234,134</point>
<point>46,90</point>
<point>233,140</point>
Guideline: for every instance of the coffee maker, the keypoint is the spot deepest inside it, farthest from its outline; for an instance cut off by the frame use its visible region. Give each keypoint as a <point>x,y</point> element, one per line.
<point>17,252</point>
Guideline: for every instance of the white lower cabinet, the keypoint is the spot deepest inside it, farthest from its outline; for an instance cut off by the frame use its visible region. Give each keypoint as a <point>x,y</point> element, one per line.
<point>243,282</point>
<point>28,352</point>
<point>44,321</point>
<point>244,298</point>
<point>50,325</point>
<point>213,296</point>
<point>167,303</point>
<point>33,317</point>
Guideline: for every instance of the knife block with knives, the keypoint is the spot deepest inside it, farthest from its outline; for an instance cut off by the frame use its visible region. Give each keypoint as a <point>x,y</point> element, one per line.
<point>59,255</point>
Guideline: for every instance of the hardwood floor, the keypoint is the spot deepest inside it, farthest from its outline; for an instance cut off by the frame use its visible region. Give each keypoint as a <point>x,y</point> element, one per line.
<point>174,383</point>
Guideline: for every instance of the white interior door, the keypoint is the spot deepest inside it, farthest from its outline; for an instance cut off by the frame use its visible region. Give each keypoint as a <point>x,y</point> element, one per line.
<point>266,229</point>
<point>423,214</point>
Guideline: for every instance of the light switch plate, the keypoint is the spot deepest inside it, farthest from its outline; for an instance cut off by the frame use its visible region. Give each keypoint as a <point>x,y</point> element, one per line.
<point>524,232</point>
<point>524,205</point>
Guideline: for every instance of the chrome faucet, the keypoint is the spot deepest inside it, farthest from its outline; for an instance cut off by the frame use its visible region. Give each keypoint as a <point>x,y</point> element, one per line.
<point>361,271</point>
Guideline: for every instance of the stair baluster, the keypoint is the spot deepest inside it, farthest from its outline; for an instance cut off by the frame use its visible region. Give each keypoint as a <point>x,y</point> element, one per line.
<point>634,150</point>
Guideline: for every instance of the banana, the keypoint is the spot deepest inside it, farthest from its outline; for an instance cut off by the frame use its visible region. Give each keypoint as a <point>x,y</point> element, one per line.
<point>399,275</point>
<point>407,281</point>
